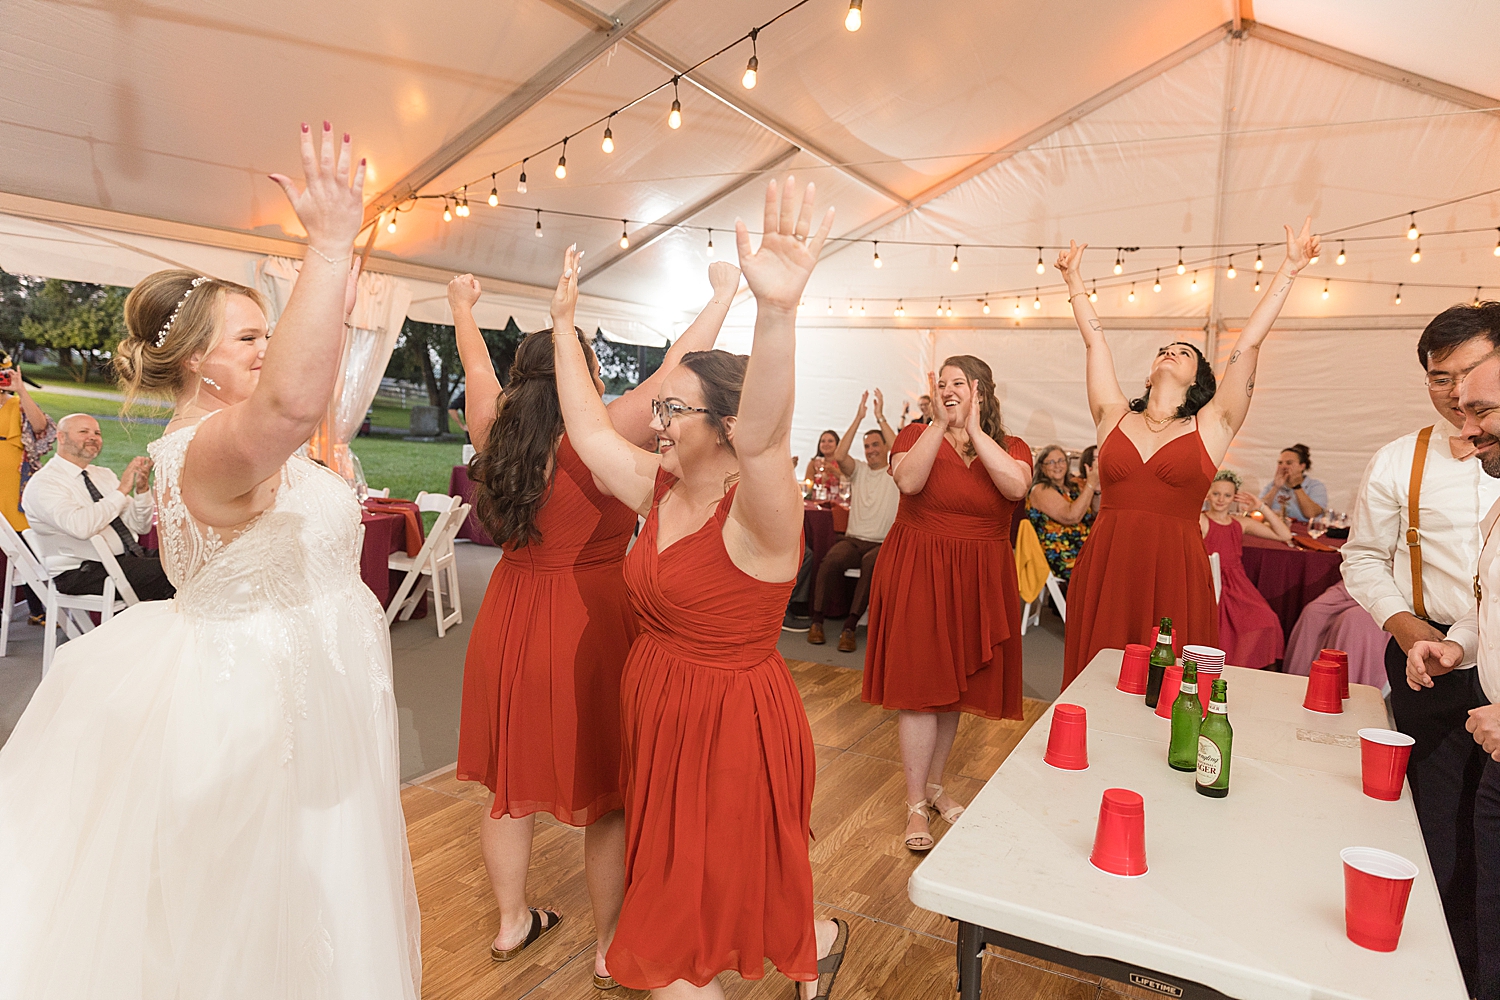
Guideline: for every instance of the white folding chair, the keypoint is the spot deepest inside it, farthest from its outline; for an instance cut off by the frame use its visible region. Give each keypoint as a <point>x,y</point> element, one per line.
<point>1213,564</point>
<point>1054,587</point>
<point>433,567</point>
<point>1031,613</point>
<point>70,612</point>
<point>853,574</point>
<point>21,567</point>
<point>378,493</point>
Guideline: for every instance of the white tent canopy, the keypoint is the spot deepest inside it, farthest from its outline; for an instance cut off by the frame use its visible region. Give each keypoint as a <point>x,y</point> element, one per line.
<point>135,135</point>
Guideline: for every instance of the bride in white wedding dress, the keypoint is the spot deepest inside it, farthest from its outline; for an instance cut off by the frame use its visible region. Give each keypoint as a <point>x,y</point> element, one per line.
<point>202,799</point>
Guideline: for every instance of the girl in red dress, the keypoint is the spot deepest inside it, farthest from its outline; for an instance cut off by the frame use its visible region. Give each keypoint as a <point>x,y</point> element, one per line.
<point>945,612</point>
<point>1157,455</point>
<point>540,718</point>
<point>718,756</point>
<point>1249,631</point>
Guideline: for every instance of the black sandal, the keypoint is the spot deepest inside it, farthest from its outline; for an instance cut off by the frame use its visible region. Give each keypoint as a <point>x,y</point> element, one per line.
<point>536,931</point>
<point>828,965</point>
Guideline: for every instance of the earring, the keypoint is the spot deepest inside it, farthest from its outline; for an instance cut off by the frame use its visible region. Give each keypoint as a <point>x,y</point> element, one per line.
<point>211,382</point>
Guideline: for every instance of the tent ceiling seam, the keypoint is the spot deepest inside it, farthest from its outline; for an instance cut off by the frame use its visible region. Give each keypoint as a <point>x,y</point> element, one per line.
<point>1215,317</point>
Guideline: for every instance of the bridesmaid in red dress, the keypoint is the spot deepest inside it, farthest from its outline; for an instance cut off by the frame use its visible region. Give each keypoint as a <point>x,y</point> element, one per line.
<point>1157,455</point>
<point>945,611</point>
<point>540,719</point>
<point>718,756</point>
<point>1249,631</point>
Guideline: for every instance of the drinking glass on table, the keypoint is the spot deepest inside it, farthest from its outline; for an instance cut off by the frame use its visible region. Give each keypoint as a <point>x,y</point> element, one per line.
<point>1318,526</point>
<point>844,492</point>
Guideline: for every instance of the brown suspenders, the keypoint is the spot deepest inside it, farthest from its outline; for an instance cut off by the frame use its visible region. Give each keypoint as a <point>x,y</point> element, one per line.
<point>1414,520</point>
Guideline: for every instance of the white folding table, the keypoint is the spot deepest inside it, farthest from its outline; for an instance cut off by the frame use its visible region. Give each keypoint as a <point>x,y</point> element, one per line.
<point>1244,895</point>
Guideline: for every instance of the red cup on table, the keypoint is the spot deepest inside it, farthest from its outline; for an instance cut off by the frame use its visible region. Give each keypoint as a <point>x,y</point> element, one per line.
<point>1383,757</point>
<point>1176,640</point>
<point>1342,659</point>
<point>1134,666</point>
<point>1068,739</point>
<point>1377,885</point>
<point>1323,689</point>
<point>1120,838</point>
<point>1171,687</point>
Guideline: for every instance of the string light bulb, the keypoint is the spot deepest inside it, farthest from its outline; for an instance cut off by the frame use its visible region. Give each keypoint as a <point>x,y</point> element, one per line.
<point>1131,296</point>
<point>521,184</point>
<point>1094,292</point>
<point>949,311</point>
<point>940,306</point>
<point>608,143</point>
<point>390,227</point>
<point>1194,285</point>
<point>539,223</point>
<point>954,266</point>
<point>1398,295</point>
<point>1257,283</point>
<point>876,261</point>
<point>1119,260</point>
<point>624,236</point>
<point>1040,267</point>
<point>463,205</point>
<point>1157,286</point>
<point>1342,257</point>
<point>1416,254</point>
<point>1325,289</point>
<point>447,212</point>
<point>1260,265</point>
<point>1497,244</point>
<point>855,17</point>
<point>1036,303</point>
<point>710,244</point>
<point>985,308</point>
<point>1181,267</point>
<point>861,307</point>
<point>1476,296</point>
<point>1230,274</point>
<point>1018,305</point>
<point>900,307</point>
<point>830,307</point>
<point>562,162</point>
<point>674,117</point>
<point>851,307</point>
<point>1412,232</point>
<point>494,193</point>
<point>753,66</point>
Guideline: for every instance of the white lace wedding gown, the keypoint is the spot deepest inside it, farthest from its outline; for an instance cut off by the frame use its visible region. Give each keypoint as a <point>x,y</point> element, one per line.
<point>202,799</point>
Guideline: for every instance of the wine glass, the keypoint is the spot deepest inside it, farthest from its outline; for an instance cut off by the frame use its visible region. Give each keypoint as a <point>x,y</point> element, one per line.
<point>844,492</point>
<point>1318,526</point>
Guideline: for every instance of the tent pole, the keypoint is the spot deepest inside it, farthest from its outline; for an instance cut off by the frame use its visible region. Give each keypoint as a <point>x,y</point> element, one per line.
<point>1215,323</point>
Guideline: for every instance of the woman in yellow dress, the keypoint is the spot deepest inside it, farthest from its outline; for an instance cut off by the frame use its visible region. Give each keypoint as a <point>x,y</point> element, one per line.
<point>26,435</point>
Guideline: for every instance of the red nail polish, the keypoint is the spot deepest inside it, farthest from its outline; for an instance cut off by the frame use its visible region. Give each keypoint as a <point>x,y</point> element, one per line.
<point>361,161</point>
<point>327,126</point>
<point>304,126</point>
<point>346,136</point>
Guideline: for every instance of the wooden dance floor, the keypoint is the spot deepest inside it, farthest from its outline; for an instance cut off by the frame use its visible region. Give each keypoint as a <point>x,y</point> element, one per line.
<point>859,873</point>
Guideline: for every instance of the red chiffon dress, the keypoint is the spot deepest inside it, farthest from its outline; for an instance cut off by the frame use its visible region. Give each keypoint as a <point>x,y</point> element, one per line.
<point>1145,557</point>
<point>1249,631</point>
<point>719,769</point>
<point>540,718</point>
<point>945,609</point>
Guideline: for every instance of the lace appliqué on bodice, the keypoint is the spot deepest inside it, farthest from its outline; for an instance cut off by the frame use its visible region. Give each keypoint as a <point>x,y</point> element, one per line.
<point>285,583</point>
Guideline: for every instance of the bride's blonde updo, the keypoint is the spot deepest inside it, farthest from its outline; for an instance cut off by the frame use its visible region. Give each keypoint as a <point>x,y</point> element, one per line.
<point>192,304</point>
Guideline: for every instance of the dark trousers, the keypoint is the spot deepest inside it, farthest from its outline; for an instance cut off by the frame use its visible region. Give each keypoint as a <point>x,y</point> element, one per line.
<point>144,573</point>
<point>1444,772</point>
<point>1486,984</point>
<point>831,596</point>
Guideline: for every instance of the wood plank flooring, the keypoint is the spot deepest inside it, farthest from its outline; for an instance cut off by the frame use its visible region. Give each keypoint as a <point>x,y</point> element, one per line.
<point>860,869</point>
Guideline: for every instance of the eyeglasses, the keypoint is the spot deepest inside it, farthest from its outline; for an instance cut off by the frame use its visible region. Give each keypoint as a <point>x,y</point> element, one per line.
<point>665,411</point>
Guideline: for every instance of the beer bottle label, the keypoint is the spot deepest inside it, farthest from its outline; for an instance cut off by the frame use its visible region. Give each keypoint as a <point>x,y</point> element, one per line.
<point>1210,761</point>
<point>1188,687</point>
<point>1218,707</point>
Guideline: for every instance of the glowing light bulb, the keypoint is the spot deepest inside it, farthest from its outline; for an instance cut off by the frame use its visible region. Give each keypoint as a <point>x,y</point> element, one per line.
<point>986,307</point>
<point>674,118</point>
<point>748,80</point>
<point>1342,257</point>
<point>1018,305</point>
<point>1157,286</point>
<point>900,307</point>
<point>1398,295</point>
<point>954,266</point>
<point>1411,231</point>
<point>624,236</point>
<point>539,224</point>
<point>1181,267</point>
<point>940,307</point>
<point>1040,267</point>
<point>1131,296</point>
<point>876,261</point>
<point>855,17</point>
<point>1036,303</point>
<point>1497,244</point>
<point>1260,265</point>
<point>494,198</point>
<point>1094,294</point>
<point>1119,261</point>
<point>608,144</point>
<point>390,227</point>
<point>1194,285</point>
<point>851,307</point>
<point>562,167</point>
<point>1231,272</point>
<point>949,310</point>
<point>1325,289</point>
<point>1416,255</point>
<point>447,213</point>
<point>861,307</point>
<point>1257,284</point>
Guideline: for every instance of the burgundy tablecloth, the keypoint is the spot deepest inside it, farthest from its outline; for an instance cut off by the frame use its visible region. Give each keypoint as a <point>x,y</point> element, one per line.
<point>1290,578</point>
<point>818,533</point>
<point>385,533</point>
<point>460,485</point>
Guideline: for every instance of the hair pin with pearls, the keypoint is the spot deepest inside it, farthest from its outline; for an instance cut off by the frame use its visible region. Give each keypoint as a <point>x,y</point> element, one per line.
<point>161,338</point>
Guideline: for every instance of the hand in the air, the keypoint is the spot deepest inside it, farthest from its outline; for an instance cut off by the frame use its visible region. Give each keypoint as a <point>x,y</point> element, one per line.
<point>1301,247</point>
<point>331,204</point>
<point>725,279</point>
<point>463,292</point>
<point>777,272</point>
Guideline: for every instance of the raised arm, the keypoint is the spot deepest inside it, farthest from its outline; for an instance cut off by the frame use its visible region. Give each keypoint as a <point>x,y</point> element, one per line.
<point>482,387</point>
<point>1107,401</point>
<point>625,471</point>
<point>885,428</point>
<point>250,440</point>
<point>631,413</point>
<point>768,506</point>
<point>1220,420</point>
<point>841,453</point>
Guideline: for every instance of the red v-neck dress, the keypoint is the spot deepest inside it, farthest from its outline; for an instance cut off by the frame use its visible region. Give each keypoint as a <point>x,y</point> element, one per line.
<point>1145,557</point>
<point>945,608</point>
<point>539,723</point>
<point>718,771</point>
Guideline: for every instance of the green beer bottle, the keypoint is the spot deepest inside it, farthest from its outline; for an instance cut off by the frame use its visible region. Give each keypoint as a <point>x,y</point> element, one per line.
<point>1187,718</point>
<point>1162,657</point>
<point>1215,738</point>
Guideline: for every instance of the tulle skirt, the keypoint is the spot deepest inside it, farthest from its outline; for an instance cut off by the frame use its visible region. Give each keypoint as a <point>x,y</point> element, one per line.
<point>210,810</point>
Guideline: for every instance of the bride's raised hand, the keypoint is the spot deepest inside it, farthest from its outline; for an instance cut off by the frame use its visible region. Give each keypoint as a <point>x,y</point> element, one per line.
<point>1070,261</point>
<point>1301,247</point>
<point>330,205</point>
<point>778,271</point>
<point>351,287</point>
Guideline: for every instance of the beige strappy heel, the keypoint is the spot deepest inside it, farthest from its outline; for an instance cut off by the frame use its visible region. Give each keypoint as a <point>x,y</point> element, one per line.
<point>918,842</point>
<point>951,816</point>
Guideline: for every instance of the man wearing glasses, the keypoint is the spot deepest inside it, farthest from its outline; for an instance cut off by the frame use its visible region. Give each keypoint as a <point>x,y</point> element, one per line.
<point>1415,578</point>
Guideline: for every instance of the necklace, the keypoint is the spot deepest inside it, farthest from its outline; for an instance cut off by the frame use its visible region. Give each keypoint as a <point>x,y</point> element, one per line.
<point>1155,423</point>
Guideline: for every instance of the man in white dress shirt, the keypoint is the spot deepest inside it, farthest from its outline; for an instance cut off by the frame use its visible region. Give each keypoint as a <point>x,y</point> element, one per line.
<point>1414,605</point>
<point>68,501</point>
<point>1472,649</point>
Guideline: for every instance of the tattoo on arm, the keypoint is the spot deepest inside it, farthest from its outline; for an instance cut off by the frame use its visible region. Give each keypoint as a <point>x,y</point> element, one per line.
<point>1250,386</point>
<point>1234,357</point>
<point>1096,326</point>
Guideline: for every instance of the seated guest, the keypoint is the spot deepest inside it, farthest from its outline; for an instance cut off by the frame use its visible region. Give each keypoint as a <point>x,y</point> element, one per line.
<point>68,501</point>
<point>1249,631</point>
<point>1061,508</point>
<point>1087,460</point>
<point>873,499</point>
<point>1296,495</point>
<point>821,468</point>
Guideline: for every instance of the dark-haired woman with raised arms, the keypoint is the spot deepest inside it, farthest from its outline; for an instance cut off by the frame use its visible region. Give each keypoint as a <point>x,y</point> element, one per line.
<point>540,718</point>
<point>718,757</point>
<point>1157,456</point>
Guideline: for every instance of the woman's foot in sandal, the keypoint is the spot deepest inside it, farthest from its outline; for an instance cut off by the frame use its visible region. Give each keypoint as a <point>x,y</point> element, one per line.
<point>833,941</point>
<point>918,835</point>
<point>542,921</point>
<point>602,979</point>
<point>943,804</point>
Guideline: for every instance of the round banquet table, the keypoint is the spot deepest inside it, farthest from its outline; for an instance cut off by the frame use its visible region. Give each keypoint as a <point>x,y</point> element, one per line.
<point>1290,578</point>
<point>821,527</point>
<point>385,533</point>
<point>460,485</point>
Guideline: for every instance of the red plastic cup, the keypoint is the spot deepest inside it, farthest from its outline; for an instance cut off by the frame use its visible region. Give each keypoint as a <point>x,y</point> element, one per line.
<point>1323,689</point>
<point>1176,640</point>
<point>1383,757</point>
<point>1171,686</point>
<point>1120,839</point>
<point>1068,740</point>
<point>1134,666</point>
<point>1377,885</point>
<point>1342,659</point>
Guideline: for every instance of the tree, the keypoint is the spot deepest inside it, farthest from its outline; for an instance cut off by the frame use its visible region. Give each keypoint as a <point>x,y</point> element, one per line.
<point>16,292</point>
<point>428,353</point>
<point>83,321</point>
<point>625,366</point>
